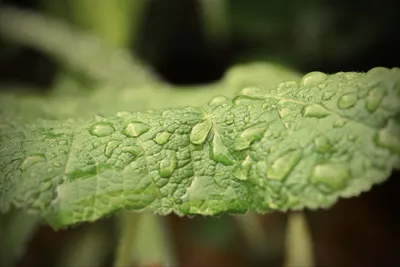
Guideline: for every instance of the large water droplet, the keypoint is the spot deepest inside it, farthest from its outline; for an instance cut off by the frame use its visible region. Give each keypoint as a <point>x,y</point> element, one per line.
<point>322,144</point>
<point>168,165</point>
<point>219,151</point>
<point>245,100</point>
<point>327,95</point>
<point>200,132</point>
<point>331,176</point>
<point>313,78</point>
<point>389,137</point>
<point>162,138</point>
<point>101,129</point>
<point>32,160</point>
<point>241,170</point>
<point>347,100</point>
<point>315,110</point>
<point>108,150</point>
<point>282,166</point>
<point>249,135</point>
<point>217,100</point>
<point>136,151</point>
<point>135,129</point>
<point>374,99</point>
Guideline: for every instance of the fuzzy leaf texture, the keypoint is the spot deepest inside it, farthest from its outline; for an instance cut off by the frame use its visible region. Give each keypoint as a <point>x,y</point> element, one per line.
<point>301,144</point>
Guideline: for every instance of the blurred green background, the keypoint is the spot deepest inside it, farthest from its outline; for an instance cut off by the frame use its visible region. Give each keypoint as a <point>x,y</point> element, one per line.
<point>194,42</point>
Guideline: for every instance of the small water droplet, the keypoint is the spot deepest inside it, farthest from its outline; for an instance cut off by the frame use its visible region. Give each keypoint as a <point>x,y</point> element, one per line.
<point>246,119</point>
<point>284,112</point>
<point>200,132</point>
<point>249,135</point>
<point>57,164</point>
<point>219,151</point>
<point>330,177</point>
<point>322,144</point>
<point>101,129</point>
<point>339,123</point>
<point>250,91</point>
<point>135,129</point>
<point>374,99</point>
<point>389,137</point>
<point>217,100</point>
<point>347,100</point>
<point>168,165</point>
<point>245,100</point>
<point>136,151</point>
<point>282,166</point>
<point>241,170</point>
<point>62,142</point>
<point>229,119</point>
<point>327,95</point>
<point>351,137</point>
<point>162,138</point>
<point>32,160</point>
<point>108,150</point>
<point>313,78</point>
<point>123,114</point>
<point>315,110</point>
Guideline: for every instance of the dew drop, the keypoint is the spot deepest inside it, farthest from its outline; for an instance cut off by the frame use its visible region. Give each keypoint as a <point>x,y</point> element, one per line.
<point>57,164</point>
<point>315,110</point>
<point>374,99</point>
<point>284,112</point>
<point>219,151</point>
<point>136,151</point>
<point>243,100</point>
<point>217,100</point>
<point>162,138</point>
<point>168,165</point>
<point>313,78</point>
<point>282,166</point>
<point>62,142</point>
<point>327,95</point>
<point>246,119</point>
<point>339,123</point>
<point>32,160</point>
<point>200,132</point>
<point>250,91</point>
<point>135,129</point>
<point>229,119</point>
<point>322,144</point>
<point>108,150</point>
<point>241,170</point>
<point>101,129</point>
<point>347,100</point>
<point>249,135</point>
<point>330,177</point>
<point>389,137</point>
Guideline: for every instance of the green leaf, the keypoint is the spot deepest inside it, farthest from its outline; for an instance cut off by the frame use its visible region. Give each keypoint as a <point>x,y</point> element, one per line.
<point>300,144</point>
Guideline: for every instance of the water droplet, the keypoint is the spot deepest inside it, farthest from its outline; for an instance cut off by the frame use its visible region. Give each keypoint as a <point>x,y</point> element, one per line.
<point>249,135</point>
<point>108,150</point>
<point>135,129</point>
<point>57,164</point>
<point>322,144</point>
<point>217,100</point>
<point>284,112</point>
<point>123,114</point>
<point>246,119</point>
<point>32,160</point>
<point>229,119</point>
<point>62,142</point>
<point>389,137</point>
<point>330,177</point>
<point>250,91</point>
<point>339,123</point>
<point>241,170</point>
<point>327,95</point>
<point>136,151</point>
<point>200,132</point>
<point>162,138</point>
<point>245,100</point>
<point>313,78</point>
<point>219,151</point>
<point>374,99</point>
<point>351,137</point>
<point>347,100</point>
<point>315,110</point>
<point>168,165</point>
<point>101,129</point>
<point>282,166</point>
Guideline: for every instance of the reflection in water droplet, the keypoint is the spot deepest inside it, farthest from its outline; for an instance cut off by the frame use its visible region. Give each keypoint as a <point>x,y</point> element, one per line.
<point>219,151</point>
<point>168,165</point>
<point>282,166</point>
<point>101,129</point>
<point>200,132</point>
<point>32,160</point>
<point>313,78</point>
<point>315,110</point>
<point>347,100</point>
<point>135,129</point>
<point>374,99</point>
<point>162,138</point>
<point>241,170</point>
<point>108,150</point>
<point>330,177</point>
<point>136,151</point>
<point>249,135</point>
<point>389,137</point>
<point>217,100</point>
<point>322,144</point>
<point>327,95</point>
